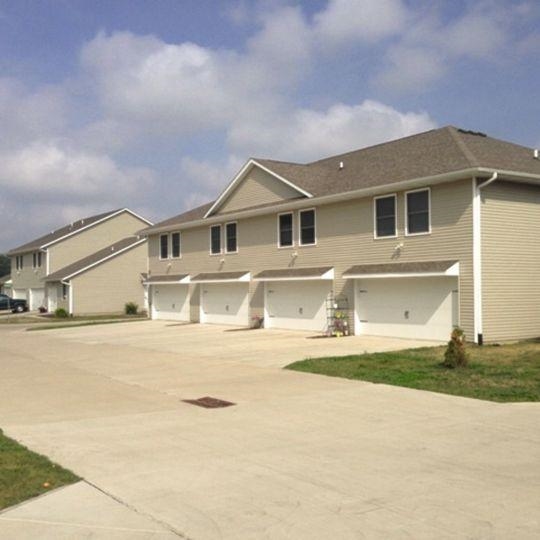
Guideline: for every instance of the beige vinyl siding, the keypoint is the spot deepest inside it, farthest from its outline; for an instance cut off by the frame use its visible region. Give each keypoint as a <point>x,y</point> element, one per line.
<point>108,286</point>
<point>28,277</point>
<point>344,238</point>
<point>93,239</point>
<point>259,187</point>
<point>510,261</point>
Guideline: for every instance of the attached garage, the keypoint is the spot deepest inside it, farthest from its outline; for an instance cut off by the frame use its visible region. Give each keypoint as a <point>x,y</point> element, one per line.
<point>169,297</point>
<point>20,294</point>
<point>296,299</point>
<point>409,300</point>
<point>224,298</point>
<point>37,298</point>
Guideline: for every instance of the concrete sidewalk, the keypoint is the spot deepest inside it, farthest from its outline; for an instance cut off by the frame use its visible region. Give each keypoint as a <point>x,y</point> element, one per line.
<point>299,456</point>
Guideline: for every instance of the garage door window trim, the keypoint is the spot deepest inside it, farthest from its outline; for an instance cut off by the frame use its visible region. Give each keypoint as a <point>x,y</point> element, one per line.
<point>231,237</point>
<point>216,247</point>
<point>283,229</point>
<point>303,228</point>
<point>377,217</point>
<point>418,212</point>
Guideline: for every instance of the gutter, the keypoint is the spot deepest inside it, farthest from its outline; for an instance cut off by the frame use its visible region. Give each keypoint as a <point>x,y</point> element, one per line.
<point>338,197</point>
<point>477,256</point>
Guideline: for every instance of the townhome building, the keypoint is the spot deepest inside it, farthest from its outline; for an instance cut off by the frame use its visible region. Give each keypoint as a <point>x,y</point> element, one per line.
<point>408,238</point>
<point>89,266</point>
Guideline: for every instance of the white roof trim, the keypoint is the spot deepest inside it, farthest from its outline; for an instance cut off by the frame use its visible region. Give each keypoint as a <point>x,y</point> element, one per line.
<point>112,255</point>
<point>239,177</point>
<point>328,275</point>
<point>95,223</point>
<point>452,271</point>
<point>244,278</point>
<point>184,281</point>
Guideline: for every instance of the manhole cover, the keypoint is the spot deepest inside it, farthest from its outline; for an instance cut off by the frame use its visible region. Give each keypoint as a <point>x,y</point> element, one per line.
<point>209,402</point>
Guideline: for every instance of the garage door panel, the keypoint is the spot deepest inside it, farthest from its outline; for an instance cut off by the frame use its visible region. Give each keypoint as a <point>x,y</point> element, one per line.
<point>225,303</point>
<point>297,305</point>
<point>170,302</point>
<point>422,308</point>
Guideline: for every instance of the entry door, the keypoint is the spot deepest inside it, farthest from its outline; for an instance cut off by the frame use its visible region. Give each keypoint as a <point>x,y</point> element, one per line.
<point>52,296</point>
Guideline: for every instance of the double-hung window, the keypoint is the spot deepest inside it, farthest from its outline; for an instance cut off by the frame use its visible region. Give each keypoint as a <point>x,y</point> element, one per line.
<point>164,246</point>
<point>215,239</point>
<point>285,226</point>
<point>385,216</point>
<point>231,238</point>
<point>418,210</point>
<point>36,259</point>
<point>307,227</point>
<point>19,262</point>
<point>175,245</point>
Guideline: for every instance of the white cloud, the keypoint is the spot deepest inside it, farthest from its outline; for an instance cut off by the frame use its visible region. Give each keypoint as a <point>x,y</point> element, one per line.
<point>306,134</point>
<point>47,170</point>
<point>344,22</point>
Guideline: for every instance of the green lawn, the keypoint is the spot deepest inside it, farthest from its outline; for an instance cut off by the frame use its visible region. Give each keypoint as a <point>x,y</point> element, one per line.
<point>495,372</point>
<point>25,474</point>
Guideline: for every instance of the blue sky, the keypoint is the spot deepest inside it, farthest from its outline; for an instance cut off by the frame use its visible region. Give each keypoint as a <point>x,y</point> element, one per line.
<point>154,105</point>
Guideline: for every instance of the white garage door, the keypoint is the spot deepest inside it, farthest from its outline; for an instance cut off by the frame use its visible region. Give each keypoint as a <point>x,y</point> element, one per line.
<point>19,294</point>
<point>225,303</point>
<point>37,298</point>
<point>424,308</point>
<point>170,302</point>
<point>297,305</point>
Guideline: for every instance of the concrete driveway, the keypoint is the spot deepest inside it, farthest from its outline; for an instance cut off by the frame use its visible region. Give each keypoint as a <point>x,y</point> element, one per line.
<point>298,456</point>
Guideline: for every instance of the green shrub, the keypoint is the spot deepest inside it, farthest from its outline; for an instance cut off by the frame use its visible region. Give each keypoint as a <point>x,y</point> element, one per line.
<point>455,355</point>
<point>131,308</point>
<point>61,313</point>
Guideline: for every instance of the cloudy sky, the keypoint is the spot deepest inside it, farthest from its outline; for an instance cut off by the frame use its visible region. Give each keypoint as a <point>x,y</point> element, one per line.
<point>155,104</point>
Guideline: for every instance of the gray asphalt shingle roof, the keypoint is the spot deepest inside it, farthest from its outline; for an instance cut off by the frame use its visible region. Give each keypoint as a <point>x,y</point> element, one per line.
<point>438,151</point>
<point>59,233</point>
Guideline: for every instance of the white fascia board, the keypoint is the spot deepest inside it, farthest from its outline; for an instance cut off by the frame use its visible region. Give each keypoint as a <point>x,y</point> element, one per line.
<point>239,177</point>
<point>106,218</point>
<point>453,271</point>
<point>183,281</point>
<point>243,279</point>
<point>329,275</point>
<point>326,199</point>
<point>101,261</point>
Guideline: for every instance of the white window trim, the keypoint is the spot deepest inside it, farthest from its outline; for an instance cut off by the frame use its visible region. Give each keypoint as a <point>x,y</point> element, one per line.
<point>407,233</point>
<point>220,240</point>
<point>300,212</point>
<point>395,235</point>
<point>168,246</point>
<point>171,245</point>
<point>225,238</point>
<point>279,231</point>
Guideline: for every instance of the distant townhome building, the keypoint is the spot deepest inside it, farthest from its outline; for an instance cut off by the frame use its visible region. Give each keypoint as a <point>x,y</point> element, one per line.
<point>5,285</point>
<point>93,265</point>
<point>408,238</point>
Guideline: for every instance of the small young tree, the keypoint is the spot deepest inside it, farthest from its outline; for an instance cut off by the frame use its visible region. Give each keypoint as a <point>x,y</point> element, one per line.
<point>455,355</point>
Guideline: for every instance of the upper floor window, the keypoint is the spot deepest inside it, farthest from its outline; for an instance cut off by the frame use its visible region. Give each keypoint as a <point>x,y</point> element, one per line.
<point>231,242</point>
<point>385,216</point>
<point>418,210</point>
<point>164,246</point>
<point>19,262</point>
<point>36,260</point>
<point>215,239</point>
<point>285,226</point>
<point>307,227</point>
<point>175,245</point>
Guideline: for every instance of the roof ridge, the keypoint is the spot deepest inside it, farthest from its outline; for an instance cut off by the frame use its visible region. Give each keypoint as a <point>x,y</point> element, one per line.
<point>467,152</point>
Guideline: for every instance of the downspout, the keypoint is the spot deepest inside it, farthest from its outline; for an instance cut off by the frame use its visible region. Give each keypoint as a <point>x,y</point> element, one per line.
<point>477,256</point>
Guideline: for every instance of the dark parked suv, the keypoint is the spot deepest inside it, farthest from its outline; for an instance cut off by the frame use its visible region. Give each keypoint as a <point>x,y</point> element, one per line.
<point>16,305</point>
